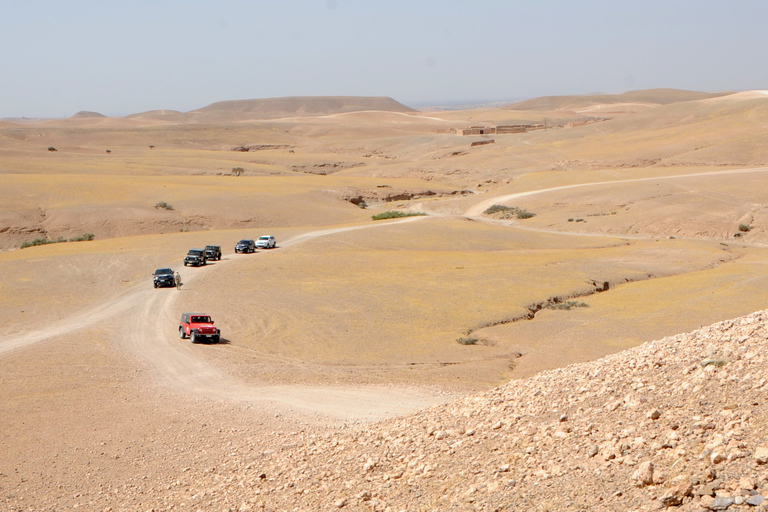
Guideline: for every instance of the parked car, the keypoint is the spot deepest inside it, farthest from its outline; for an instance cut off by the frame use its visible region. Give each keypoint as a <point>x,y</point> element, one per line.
<point>195,257</point>
<point>213,252</point>
<point>266,242</point>
<point>245,246</point>
<point>198,327</point>
<point>163,277</point>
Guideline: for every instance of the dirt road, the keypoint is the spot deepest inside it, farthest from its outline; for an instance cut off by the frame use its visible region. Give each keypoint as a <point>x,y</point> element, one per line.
<point>150,334</point>
<point>480,207</point>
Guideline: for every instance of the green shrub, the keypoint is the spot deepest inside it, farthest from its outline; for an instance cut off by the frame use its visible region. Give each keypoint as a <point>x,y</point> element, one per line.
<point>392,214</point>
<point>237,171</point>
<point>744,227</point>
<point>567,305</point>
<point>466,340</point>
<point>163,205</point>
<point>496,208</point>
<point>42,241</point>
<point>508,212</point>
<point>85,237</point>
<point>523,214</point>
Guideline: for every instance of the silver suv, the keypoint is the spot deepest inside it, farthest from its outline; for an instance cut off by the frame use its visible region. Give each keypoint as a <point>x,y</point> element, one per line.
<point>266,242</point>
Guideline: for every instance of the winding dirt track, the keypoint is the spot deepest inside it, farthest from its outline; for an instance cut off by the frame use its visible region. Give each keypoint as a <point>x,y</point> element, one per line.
<point>150,338</point>
<point>480,207</point>
<point>150,313</point>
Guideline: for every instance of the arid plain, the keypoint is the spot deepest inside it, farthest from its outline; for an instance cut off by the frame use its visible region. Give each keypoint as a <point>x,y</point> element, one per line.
<point>650,212</point>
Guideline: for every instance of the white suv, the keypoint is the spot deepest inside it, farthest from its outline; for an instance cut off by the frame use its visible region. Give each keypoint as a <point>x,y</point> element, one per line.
<point>266,242</point>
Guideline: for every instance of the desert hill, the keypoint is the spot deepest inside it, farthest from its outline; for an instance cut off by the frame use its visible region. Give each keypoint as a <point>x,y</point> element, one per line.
<point>86,114</point>
<point>490,350</point>
<point>646,96</point>
<point>675,424</point>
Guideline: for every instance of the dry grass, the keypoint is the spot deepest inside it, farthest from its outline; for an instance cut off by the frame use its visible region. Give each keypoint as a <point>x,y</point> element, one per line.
<point>399,294</point>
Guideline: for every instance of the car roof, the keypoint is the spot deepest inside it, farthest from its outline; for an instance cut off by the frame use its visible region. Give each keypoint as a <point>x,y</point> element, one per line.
<point>164,271</point>
<point>265,237</point>
<point>245,240</point>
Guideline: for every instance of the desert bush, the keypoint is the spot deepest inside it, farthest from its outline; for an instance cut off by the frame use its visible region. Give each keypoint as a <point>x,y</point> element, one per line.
<point>237,171</point>
<point>51,148</point>
<point>496,208</point>
<point>163,205</point>
<point>508,212</point>
<point>85,237</point>
<point>42,241</point>
<point>362,204</point>
<point>567,305</point>
<point>467,340</point>
<point>744,227</point>
<point>392,214</point>
<point>523,214</point>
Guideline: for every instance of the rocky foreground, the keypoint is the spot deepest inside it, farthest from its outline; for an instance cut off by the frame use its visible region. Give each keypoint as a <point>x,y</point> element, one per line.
<point>680,422</point>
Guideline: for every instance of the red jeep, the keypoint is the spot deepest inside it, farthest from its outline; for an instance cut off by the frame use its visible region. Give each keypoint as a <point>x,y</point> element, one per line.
<point>198,327</point>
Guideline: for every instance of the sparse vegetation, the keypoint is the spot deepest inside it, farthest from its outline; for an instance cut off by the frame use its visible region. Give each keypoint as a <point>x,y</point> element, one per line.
<point>362,204</point>
<point>86,237</point>
<point>393,214</point>
<point>237,171</point>
<point>508,212</point>
<point>467,340</point>
<point>744,228</point>
<point>163,205</point>
<point>51,148</point>
<point>42,241</point>
<point>567,305</point>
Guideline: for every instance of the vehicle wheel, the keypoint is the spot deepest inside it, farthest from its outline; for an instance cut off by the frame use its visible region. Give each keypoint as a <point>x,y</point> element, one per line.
<point>193,337</point>
<point>155,284</point>
<point>215,339</point>
<point>181,333</point>
<point>185,263</point>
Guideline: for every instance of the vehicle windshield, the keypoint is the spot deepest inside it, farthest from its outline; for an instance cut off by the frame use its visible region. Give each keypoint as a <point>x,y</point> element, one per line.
<point>210,247</point>
<point>263,238</point>
<point>201,319</point>
<point>162,271</point>
<point>244,242</point>
<point>195,252</point>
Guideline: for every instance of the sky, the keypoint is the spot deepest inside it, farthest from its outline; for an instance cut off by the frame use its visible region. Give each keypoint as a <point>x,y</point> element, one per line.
<point>59,57</point>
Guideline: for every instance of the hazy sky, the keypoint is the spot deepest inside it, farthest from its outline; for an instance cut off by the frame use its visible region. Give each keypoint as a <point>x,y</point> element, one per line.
<point>122,57</point>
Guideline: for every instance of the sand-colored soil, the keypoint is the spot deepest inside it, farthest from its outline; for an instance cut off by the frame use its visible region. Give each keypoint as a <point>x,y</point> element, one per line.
<point>655,220</point>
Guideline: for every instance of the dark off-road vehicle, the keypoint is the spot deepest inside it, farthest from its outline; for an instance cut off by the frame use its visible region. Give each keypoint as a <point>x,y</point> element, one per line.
<point>195,257</point>
<point>198,327</point>
<point>163,277</point>
<point>213,252</point>
<point>245,246</point>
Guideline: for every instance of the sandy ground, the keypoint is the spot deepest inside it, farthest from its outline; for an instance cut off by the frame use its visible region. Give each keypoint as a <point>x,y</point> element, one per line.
<point>348,320</point>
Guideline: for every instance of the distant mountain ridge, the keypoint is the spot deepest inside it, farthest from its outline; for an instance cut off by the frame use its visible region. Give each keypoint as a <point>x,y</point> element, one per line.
<point>275,108</point>
<point>85,113</point>
<point>649,96</point>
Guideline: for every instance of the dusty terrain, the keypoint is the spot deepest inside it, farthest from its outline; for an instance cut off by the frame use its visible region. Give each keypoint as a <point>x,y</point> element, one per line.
<point>340,382</point>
